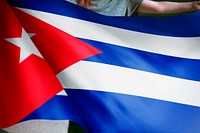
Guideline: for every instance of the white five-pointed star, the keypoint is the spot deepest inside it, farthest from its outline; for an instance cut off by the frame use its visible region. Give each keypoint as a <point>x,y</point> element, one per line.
<point>26,45</point>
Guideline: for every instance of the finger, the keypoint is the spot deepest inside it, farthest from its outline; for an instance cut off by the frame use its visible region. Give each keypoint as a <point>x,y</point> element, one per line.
<point>197,5</point>
<point>88,4</point>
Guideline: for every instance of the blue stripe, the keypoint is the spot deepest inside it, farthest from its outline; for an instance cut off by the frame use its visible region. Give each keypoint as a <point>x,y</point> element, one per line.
<point>146,61</point>
<point>57,108</point>
<point>169,26</point>
<point>105,112</point>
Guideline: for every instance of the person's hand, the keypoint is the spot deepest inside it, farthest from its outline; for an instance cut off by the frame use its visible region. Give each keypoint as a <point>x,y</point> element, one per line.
<point>84,3</point>
<point>196,5</point>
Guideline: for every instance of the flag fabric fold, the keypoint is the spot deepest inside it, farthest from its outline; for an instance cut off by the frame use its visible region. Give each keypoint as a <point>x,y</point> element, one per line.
<point>139,74</point>
<point>25,85</point>
<point>30,60</point>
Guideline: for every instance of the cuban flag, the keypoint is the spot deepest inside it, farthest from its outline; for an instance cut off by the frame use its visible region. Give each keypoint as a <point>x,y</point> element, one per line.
<point>120,74</point>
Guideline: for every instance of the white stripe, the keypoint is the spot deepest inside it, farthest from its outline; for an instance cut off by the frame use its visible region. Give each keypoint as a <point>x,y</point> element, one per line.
<point>62,93</point>
<point>174,46</point>
<point>102,77</point>
<point>40,126</point>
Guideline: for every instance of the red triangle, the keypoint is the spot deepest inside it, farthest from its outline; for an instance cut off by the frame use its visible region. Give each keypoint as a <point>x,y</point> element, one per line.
<point>23,86</point>
<point>58,48</point>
